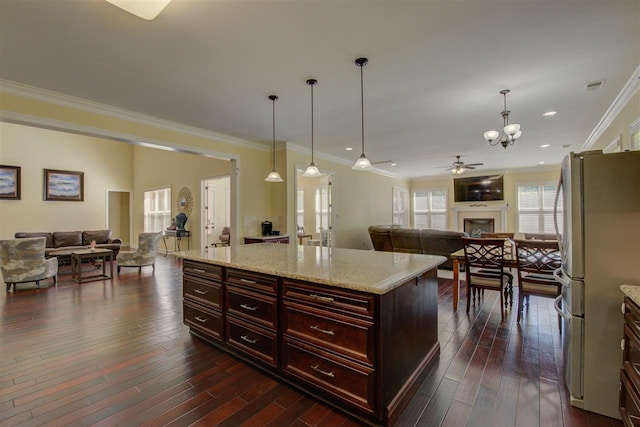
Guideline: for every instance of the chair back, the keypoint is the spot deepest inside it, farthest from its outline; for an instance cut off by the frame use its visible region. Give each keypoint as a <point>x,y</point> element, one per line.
<point>149,243</point>
<point>483,257</point>
<point>225,235</point>
<point>536,261</point>
<point>487,235</point>
<point>22,256</point>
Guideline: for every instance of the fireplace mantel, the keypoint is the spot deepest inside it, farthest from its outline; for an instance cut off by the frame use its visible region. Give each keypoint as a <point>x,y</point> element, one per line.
<point>479,210</point>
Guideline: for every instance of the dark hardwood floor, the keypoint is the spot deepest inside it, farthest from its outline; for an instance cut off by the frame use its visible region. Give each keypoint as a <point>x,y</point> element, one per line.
<point>116,352</point>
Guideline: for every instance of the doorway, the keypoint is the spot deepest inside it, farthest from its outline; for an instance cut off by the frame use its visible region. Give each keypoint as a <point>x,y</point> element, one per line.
<point>216,208</point>
<point>314,208</point>
<point>119,215</point>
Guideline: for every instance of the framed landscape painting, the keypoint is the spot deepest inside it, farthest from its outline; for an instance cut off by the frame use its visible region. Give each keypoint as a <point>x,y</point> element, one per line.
<point>9,182</point>
<point>63,185</point>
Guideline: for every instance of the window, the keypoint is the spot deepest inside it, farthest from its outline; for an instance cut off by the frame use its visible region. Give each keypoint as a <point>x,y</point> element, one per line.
<point>400,206</point>
<point>300,208</point>
<point>430,209</point>
<point>157,209</point>
<point>535,208</point>
<point>322,208</point>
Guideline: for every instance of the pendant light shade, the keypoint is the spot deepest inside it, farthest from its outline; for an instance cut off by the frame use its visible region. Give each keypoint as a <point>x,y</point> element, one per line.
<point>273,176</point>
<point>312,170</point>
<point>362,164</point>
<point>148,9</point>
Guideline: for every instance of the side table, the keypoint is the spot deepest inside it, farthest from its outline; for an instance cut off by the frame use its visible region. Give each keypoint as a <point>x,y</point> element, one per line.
<point>177,237</point>
<point>77,255</point>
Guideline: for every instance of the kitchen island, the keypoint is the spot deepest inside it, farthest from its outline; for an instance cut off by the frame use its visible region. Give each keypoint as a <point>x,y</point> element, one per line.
<point>356,329</point>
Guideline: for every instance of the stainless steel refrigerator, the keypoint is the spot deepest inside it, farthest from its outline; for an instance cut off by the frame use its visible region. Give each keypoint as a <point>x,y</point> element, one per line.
<point>598,220</point>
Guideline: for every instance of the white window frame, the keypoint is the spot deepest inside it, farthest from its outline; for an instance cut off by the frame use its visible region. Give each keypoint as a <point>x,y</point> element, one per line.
<point>430,211</point>
<point>541,211</point>
<point>157,209</point>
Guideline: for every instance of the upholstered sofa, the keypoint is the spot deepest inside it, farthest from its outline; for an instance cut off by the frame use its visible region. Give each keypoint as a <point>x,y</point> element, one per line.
<point>61,243</point>
<point>393,238</point>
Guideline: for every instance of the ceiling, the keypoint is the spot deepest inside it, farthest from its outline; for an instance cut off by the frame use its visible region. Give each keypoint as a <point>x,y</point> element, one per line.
<point>431,87</point>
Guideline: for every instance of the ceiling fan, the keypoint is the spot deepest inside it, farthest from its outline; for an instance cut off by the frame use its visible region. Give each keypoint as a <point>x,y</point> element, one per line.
<point>459,167</point>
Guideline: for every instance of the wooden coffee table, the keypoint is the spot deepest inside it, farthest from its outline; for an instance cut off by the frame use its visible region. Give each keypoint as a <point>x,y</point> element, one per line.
<point>77,255</point>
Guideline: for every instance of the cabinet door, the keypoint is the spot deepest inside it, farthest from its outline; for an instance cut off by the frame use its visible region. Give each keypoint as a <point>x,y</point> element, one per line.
<point>348,336</point>
<point>206,321</point>
<point>252,306</point>
<point>629,402</point>
<point>257,342</point>
<point>339,377</point>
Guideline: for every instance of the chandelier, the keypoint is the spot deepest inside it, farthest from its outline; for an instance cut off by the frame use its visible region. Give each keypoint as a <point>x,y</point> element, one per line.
<point>510,132</point>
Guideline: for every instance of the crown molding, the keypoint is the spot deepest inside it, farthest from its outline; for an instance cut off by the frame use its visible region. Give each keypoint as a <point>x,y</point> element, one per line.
<point>56,98</point>
<point>56,125</point>
<point>628,91</point>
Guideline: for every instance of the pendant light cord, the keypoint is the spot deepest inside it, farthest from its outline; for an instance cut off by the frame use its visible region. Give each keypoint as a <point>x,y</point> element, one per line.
<point>273,101</point>
<point>362,103</point>
<point>312,122</point>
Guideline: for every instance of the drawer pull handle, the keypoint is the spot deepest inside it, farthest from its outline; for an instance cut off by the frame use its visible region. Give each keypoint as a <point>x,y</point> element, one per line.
<point>324,331</point>
<point>253,282</point>
<point>199,270</point>
<point>247,339</point>
<point>201,319</point>
<point>321,298</point>
<point>248,307</point>
<point>325,373</point>
<point>200,291</point>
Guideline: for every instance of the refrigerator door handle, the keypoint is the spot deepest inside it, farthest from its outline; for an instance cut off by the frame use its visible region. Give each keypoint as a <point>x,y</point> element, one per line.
<point>555,214</point>
<point>560,310</point>
<point>560,277</point>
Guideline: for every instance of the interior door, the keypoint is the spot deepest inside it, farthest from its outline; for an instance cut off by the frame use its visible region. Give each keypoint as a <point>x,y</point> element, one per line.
<point>215,208</point>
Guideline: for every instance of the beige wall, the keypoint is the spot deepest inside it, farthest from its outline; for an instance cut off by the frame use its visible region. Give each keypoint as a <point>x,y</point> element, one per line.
<point>155,169</point>
<point>106,165</point>
<point>511,179</point>
<point>361,199</point>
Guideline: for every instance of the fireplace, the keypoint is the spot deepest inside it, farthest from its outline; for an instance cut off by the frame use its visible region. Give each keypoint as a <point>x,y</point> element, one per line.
<point>475,226</point>
<point>480,212</point>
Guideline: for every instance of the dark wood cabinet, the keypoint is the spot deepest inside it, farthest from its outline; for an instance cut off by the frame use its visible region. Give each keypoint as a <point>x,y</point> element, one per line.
<point>361,352</point>
<point>630,373</point>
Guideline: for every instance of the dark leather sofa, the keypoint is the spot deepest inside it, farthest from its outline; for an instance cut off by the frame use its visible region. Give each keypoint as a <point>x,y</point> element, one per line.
<point>60,243</point>
<point>393,238</point>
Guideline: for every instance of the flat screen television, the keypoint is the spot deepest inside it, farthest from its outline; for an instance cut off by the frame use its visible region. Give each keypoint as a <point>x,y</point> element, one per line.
<point>478,188</point>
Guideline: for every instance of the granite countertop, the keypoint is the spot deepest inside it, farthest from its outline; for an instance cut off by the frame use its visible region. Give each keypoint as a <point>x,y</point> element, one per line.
<point>362,270</point>
<point>632,292</point>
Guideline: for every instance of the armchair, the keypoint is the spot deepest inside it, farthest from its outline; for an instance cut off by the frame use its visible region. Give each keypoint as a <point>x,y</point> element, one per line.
<point>22,260</point>
<point>225,236</point>
<point>148,244</point>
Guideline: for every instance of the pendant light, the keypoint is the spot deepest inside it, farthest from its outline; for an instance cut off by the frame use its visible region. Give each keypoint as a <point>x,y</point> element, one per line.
<point>362,164</point>
<point>312,170</point>
<point>273,176</point>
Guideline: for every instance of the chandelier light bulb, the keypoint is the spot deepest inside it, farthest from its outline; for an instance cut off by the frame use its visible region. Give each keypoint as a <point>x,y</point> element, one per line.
<point>512,129</point>
<point>491,135</point>
<point>517,135</point>
<point>273,177</point>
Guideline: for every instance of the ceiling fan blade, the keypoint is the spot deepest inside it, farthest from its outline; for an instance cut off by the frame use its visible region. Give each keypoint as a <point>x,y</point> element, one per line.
<point>468,167</point>
<point>475,164</point>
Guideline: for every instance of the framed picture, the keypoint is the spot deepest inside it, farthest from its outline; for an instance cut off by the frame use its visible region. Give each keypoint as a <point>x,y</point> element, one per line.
<point>9,182</point>
<point>63,185</point>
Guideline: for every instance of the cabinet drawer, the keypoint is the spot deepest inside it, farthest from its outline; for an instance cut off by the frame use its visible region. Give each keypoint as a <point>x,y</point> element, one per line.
<point>347,380</point>
<point>252,306</point>
<point>204,320</point>
<point>349,336</point>
<point>203,270</point>
<point>629,402</point>
<point>255,281</point>
<point>252,340</point>
<point>202,291</point>
<point>351,302</point>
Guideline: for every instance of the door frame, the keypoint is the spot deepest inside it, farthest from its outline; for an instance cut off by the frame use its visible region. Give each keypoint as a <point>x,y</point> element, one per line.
<point>108,192</point>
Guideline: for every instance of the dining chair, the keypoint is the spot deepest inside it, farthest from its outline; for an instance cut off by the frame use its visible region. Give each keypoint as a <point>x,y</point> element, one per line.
<point>536,261</point>
<point>540,236</point>
<point>485,269</point>
<point>488,235</point>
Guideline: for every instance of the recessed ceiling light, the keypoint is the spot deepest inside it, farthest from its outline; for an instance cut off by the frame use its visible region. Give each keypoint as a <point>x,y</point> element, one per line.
<point>349,149</point>
<point>394,164</point>
<point>541,163</point>
<point>550,113</point>
<point>545,146</point>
